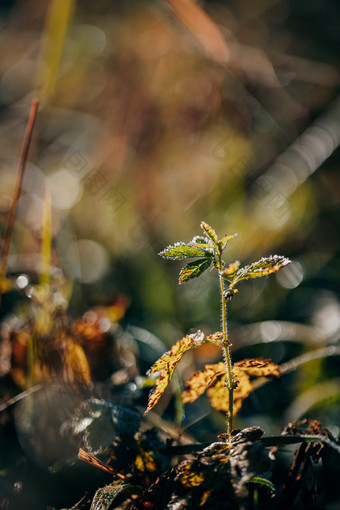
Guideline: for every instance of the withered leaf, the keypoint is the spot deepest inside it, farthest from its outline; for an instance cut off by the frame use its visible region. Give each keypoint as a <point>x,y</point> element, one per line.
<point>219,395</point>
<point>189,477</point>
<point>201,380</point>
<point>242,390</point>
<point>258,367</point>
<point>216,337</point>
<point>145,462</point>
<point>167,364</point>
<point>75,364</point>
<point>213,379</point>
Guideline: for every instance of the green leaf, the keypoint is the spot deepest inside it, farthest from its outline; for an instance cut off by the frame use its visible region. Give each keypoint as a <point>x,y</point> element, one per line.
<point>210,231</point>
<point>225,240</point>
<point>207,247</point>
<point>202,240</point>
<point>263,267</point>
<point>182,250</point>
<point>194,269</point>
<point>262,481</point>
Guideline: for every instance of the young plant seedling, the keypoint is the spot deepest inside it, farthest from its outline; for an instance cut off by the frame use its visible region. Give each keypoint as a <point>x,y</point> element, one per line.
<point>227,385</point>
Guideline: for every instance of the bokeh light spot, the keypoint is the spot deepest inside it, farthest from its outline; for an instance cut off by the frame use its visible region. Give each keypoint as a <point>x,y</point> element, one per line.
<point>65,189</point>
<point>22,281</point>
<point>86,260</point>
<point>290,276</point>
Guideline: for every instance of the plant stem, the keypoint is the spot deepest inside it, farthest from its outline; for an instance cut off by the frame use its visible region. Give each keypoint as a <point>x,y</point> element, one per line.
<point>226,354</point>
<point>18,186</point>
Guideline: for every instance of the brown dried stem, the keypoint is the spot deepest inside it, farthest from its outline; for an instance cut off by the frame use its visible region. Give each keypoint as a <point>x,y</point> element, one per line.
<point>18,186</point>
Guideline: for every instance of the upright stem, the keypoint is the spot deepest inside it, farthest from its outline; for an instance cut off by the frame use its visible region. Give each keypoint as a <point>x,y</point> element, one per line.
<point>18,185</point>
<point>226,354</point>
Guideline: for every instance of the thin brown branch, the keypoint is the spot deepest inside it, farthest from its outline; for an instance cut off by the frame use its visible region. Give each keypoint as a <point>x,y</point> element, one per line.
<point>18,185</point>
<point>94,461</point>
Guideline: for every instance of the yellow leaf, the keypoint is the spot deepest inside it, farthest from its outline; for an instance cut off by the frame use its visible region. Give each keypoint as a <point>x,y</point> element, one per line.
<point>201,380</point>
<point>176,352</point>
<point>213,379</point>
<point>216,337</point>
<point>167,364</point>
<point>5,284</point>
<point>188,477</point>
<point>219,394</point>
<point>259,367</point>
<point>75,366</point>
<point>145,462</point>
<point>242,390</point>
<point>205,497</point>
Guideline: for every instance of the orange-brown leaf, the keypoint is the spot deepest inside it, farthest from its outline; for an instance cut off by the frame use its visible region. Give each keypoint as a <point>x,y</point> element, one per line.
<point>219,394</point>
<point>145,462</point>
<point>75,364</point>
<point>217,337</point>
<point>242,390</point>
<point>188,476</point>
<point>155,394</point>
<point>167,364</point>
<point>201,380</point>
<point>176,352</point>
<point>258,367</point>
<point>213,379</point>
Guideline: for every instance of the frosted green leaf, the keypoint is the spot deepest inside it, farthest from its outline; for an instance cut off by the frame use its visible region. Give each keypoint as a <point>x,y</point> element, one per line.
<point>203,243</point>
<point>208,248</point>
<point>210,231</point>
<point>194,269</point>
<point>182,250</point>
<point>225,240</point>
<point>201,240</point>
<point>263,267</point>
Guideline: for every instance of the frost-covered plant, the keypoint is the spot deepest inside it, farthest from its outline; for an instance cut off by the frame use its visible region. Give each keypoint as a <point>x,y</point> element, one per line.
<point>227,385</point>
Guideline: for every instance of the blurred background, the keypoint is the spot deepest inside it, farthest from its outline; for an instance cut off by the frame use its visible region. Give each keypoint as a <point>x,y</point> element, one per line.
<point>155,115</point>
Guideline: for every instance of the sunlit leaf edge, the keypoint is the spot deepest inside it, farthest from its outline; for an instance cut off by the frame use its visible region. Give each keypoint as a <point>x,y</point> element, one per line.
<point>263,267</point>
<point>182,250</point>
<point>194,269</point>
